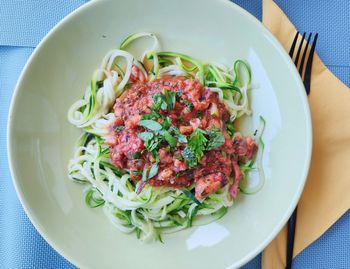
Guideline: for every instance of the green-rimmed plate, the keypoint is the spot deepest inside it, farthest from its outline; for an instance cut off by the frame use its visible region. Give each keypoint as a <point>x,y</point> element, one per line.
<point>41,139</point>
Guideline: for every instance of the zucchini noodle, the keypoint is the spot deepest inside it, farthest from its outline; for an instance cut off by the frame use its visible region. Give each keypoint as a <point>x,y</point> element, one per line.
<point>155,210</point>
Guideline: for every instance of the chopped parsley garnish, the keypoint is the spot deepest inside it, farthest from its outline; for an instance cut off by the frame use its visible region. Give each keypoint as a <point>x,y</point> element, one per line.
<point>170,139</point>
<point>181,119</point>
<point>199,114</point>
<point>148,174</point>
<point>144,175</point>
<point>167,148</point>
<point>155,155</point>
<point>188,105</point>
<point>153,171</point>
<point>118,128</point>
<point>165,100</point>
<point>201,141</point>
<point>158,102</point>
<point>160,132</point>
<point>178,174</point>
<point>151,125</point>
<point>151,116</point>
<point>190,157</point>
<point>136,173</point>
<point>153,144</point>
<point>179,93</point>
<point>136,155</point>
<point>179,157</point>
<point>195,148</point>
<point>145,136</point>
<point>216,138</point>
<point>170,99</point>
<point>166,123</point>
<point>180,137</point>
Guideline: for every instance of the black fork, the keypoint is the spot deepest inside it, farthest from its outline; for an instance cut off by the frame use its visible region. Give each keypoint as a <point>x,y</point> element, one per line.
<point>305,74</point>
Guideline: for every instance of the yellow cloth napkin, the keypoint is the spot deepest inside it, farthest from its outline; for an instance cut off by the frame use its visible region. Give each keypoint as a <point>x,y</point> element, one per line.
<point>326,195</point>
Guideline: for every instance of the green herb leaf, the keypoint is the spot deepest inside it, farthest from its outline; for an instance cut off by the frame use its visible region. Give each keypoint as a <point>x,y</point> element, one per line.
<point>136,173</point>
<point>179,93</point>
<point>155,155</point>
<point>188,104</point>
<point>165,101</point>
<point>153,171</point>
<point>164,106</point>
<point>151,125</point>
<point>179,157</point>
<point>158,101</point>
<point>145,136</point>
<point>170,98</point>
<point>167,149</point>
<point>190,157</point>
<point>216,138</point>
<point>170,139</point>
<point>180,137</point>
<point>166,123</point>
<point>118,128</point>
<point>144,174</point>
<point>152,144</point>
<point>136,155</point>
<point>181,119</point>
<point>195,148</point>
<point>151,116</point>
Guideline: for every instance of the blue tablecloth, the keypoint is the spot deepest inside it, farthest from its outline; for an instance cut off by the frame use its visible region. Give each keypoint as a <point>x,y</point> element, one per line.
<point>23,23</point>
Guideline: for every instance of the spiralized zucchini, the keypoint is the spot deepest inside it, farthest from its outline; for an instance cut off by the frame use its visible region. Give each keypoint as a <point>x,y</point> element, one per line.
<point>153,211</point>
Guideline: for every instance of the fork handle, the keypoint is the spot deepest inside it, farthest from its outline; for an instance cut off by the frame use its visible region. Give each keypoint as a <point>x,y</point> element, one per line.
<point>290,238</point>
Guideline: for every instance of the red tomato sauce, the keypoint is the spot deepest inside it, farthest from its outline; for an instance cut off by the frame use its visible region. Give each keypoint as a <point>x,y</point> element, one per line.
<point>196,107</point>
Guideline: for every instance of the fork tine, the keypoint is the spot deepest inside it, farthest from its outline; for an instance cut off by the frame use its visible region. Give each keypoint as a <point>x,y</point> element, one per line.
<point>301,67</point>
<point>307,77</point>
<point>296,61</point>
<point>291,51</point>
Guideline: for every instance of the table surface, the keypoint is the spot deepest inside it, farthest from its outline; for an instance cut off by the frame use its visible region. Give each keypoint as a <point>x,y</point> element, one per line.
<point>23,23</point>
